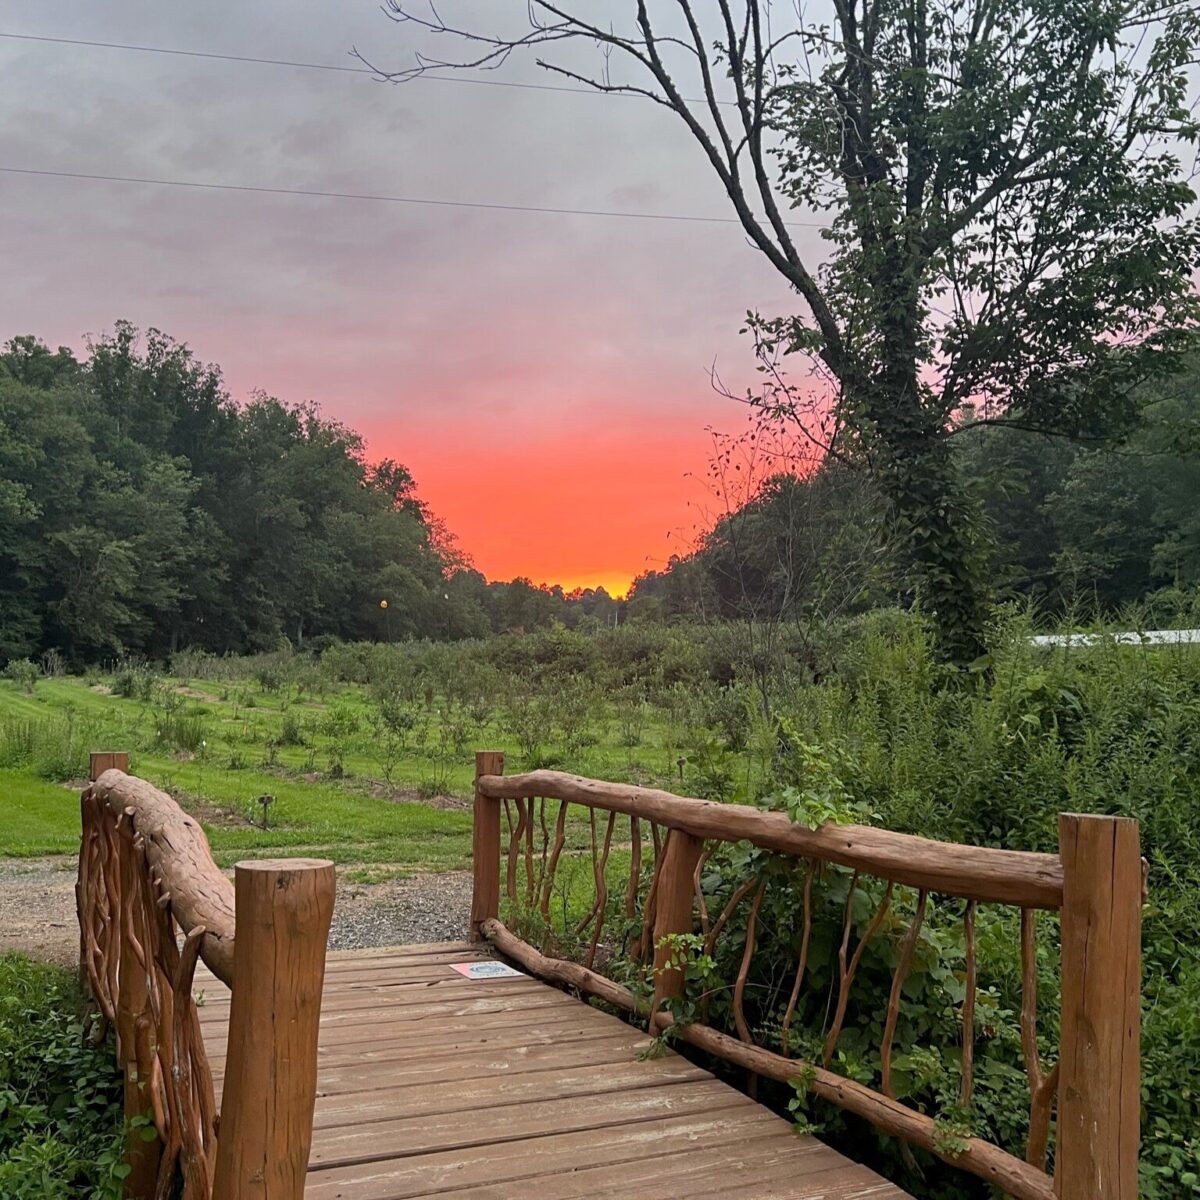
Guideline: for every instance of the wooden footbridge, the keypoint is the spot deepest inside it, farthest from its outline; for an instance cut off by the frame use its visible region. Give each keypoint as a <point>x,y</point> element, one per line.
<point>478,1069</point>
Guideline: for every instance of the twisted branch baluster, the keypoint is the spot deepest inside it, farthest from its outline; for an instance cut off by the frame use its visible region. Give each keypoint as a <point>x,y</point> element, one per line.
<point>635,867</point>
<point>529,885</point>
<point>739,987</point>
<point>848,971</point>
<point>515,833</point>
<point>560,838</point>
<point>968,1014</point>
<point>802,965</point>
<point>591,912</point>
<point>739,893</point>
<point>1042,1087</point>
<point>600,872</point>
<point>898,977</point>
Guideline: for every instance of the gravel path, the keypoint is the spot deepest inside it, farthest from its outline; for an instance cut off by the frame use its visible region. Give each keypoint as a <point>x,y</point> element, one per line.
<point>37,909</point>
<point>422,908</point>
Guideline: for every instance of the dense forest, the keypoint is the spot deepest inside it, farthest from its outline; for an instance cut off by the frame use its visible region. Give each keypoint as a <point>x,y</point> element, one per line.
<point>1070,525</point>
<point>143,510</point>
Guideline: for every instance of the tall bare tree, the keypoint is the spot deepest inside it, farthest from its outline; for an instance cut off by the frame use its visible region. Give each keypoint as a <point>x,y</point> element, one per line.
<point>1010,217</point>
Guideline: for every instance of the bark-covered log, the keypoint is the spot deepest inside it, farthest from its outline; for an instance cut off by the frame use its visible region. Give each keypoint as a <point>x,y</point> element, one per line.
<point>972,872</point>
<point>981,1158</point>
<point>178,855</point>
<point>559,970</point>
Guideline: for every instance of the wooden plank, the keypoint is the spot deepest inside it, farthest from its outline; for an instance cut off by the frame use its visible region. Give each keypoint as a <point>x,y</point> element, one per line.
<point>465,1096</point>
<point>493,1126</point>
<point>428,1070</point>
<point>397,995</point>
<point>344,1036</point>
<point>358,962</point>
<point>488,1002</point>
<point>515,1043</point>
<point>417,949</point>
<point>774,1165</point>
<point>529,1158</point>
<point>346,964</point>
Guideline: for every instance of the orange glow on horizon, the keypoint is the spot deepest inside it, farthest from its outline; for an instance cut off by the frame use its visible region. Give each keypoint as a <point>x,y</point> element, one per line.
<point>581,510</point>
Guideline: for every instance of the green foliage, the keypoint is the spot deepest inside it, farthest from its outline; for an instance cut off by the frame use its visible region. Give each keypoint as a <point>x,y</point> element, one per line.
<point>23,673</point>
<point>54,748</point>
<point>60,1115</point>
<point>864,724</point>
<point>291,731</point>
<point>142,510</point>
<point>814,777</point>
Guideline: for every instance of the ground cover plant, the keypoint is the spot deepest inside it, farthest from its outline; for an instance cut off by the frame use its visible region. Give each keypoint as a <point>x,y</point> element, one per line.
<point>61,1131</point>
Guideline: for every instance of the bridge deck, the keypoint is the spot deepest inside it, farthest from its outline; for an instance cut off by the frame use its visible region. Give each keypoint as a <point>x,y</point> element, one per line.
<point>431,1083</point>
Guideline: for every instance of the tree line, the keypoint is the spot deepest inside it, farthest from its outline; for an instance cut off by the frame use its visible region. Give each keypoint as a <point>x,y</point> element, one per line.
<point>1069,525</point>
<point>143,510</point>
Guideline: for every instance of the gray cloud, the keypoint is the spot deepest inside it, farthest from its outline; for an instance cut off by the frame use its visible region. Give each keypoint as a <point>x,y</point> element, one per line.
<point>392,316</point>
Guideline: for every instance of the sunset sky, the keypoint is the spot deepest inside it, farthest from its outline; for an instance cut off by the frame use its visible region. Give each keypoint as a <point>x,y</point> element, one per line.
<point>545,377</point>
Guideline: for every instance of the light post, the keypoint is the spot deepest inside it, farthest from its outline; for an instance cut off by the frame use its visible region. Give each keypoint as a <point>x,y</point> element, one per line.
<point>387,617</point>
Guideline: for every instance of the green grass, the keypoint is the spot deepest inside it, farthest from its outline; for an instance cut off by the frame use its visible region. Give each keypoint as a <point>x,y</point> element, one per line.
<point>38,817</point>
<point>338,819</point>
<point>330,798</point>
<point>220,744</point>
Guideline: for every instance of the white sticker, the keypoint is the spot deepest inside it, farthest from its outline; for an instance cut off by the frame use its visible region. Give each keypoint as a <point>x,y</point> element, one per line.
<point>486,970</point>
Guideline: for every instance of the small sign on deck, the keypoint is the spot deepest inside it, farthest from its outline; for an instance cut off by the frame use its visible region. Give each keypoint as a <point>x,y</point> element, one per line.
<point>486,970</point>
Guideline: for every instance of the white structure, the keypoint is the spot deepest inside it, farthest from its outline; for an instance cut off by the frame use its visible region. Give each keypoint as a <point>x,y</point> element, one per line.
<point>1150,637</point>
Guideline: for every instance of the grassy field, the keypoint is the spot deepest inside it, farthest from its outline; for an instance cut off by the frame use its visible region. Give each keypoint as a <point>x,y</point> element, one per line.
<point>326,798</point>
<point>382,804</point>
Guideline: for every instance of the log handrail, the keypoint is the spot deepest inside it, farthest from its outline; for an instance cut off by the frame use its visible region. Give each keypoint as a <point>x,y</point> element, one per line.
<point>1095,885</point>
<point>147,878</point>
<point>179,859</point>
<point>972,872</point>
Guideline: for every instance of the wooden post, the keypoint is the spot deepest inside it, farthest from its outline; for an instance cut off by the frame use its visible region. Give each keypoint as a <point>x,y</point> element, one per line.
<point>283,911</point>
<point>105,760</point>
<point>673,909</point>
<point>485,845</point>
<point>1099,1086</point>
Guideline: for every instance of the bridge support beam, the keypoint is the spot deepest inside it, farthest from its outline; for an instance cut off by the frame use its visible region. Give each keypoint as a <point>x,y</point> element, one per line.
<point>485,846</point>
<point>676,897</point>
<point>284,908</point>
<point>1099,1093</point>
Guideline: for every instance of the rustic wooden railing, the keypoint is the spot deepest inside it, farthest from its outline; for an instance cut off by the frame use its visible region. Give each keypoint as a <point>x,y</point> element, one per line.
<point>151,902</point>
<point>1095,883</point>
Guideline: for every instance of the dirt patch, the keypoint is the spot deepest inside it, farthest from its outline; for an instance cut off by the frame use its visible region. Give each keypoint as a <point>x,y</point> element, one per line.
<point>211,814</point>
<point>196,694</point>
<point>408,795</point>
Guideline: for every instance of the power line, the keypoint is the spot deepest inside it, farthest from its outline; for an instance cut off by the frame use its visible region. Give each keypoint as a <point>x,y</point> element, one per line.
<point>307,66</point>
<point>376,196</point>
